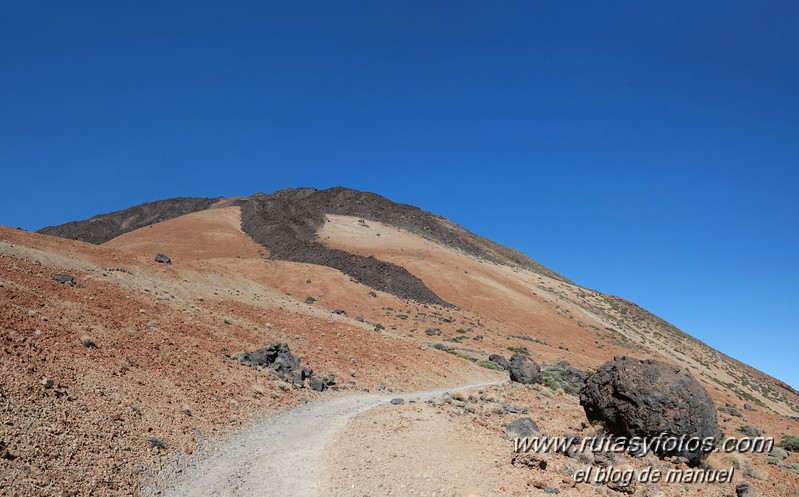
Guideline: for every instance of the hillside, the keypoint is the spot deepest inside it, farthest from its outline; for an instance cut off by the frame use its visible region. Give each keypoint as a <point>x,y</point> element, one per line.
<point>384,296</point>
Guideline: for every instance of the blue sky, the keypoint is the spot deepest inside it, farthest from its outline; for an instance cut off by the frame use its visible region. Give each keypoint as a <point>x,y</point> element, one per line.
<point>649,151</point>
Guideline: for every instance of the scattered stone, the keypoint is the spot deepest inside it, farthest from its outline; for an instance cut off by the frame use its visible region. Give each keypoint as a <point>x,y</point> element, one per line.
<point>88,342</point>
<point>340,312</point>
<point>64,279</point>
<point>623,486</point>
<point>522,428</point>
<point>551,490</point>
<point>634,397</point>
<point>744,489</point>
<point>748,407</point>
<point>531,459</point>
<point>310,300</point>
<point>322,384</point>
<point>397,401</point>
<point>47,383</point>
<point>650,491</point>
<point>499,360</point>
<point>162,259</point>
<point>524,370</point>
<point>4,452</point>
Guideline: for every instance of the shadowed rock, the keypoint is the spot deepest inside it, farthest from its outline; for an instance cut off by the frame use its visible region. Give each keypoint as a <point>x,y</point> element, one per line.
<point>499,360</point>
<point>64,279</point>
<point>522,428</point>
<point>522,369</point>
<point>162,259</point>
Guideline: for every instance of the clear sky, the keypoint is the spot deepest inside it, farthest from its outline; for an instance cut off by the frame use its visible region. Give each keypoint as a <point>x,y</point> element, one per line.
<point>645,149</point>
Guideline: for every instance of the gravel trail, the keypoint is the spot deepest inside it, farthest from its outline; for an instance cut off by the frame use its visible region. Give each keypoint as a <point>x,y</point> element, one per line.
<point>281,455</point>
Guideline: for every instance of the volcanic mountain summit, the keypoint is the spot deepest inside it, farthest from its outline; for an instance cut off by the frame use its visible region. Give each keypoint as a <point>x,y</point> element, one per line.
<point>130,362</point>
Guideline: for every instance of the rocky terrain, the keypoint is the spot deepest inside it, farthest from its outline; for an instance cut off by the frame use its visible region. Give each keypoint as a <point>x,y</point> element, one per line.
<point>123,372</point>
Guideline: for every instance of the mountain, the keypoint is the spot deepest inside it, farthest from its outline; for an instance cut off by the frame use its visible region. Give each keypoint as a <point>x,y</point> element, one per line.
<point>382,295</point>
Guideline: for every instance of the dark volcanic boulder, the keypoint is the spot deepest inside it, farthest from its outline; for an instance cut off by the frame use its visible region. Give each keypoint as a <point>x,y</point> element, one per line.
<point>499,360</point>
<point>523,369</point>
<point>640,398</point>
<point>277,357</point>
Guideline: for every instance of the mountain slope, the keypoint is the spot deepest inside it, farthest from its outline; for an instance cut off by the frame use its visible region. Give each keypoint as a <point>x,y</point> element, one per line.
<point>140,351</point>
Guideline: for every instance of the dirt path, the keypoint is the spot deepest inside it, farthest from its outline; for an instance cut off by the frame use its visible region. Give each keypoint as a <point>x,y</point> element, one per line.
<point>281,455</point>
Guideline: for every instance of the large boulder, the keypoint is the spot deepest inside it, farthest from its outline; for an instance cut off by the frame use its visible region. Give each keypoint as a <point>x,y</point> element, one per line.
<point>647,398</point>
<point>522,369</point>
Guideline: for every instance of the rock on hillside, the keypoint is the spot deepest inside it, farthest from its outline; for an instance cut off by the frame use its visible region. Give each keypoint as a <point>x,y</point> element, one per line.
<point>645,398</point>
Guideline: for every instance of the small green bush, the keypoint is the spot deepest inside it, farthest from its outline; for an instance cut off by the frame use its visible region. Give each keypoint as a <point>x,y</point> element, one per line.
<point>157,443</point>
<point>489,365</point>
<point>520,350</point>
<point>790,442</point>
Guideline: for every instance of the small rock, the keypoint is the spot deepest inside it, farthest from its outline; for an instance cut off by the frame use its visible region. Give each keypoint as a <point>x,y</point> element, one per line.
<point>530,460</point>
<point>624,486</point>
<point>162,259</point>
<point>64,279</point>
<point>744,489</point>
<point>748,407</point>
<point>397,401</point>
<point>4,452</point>
<point>499,360</point>
<point>522,428</point>
<point>317,384</point>
<point>552,490</point>
<point>47,383</point>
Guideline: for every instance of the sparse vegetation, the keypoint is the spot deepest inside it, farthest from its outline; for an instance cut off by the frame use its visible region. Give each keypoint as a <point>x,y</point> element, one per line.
<point>790,442</point>
<point>750,431</point>
<point>520,350</point>
<point>489,365</point>
<point>156,443</point>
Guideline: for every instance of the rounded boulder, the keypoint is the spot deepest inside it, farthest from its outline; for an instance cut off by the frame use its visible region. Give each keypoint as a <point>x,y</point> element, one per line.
<point>647,398</point>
